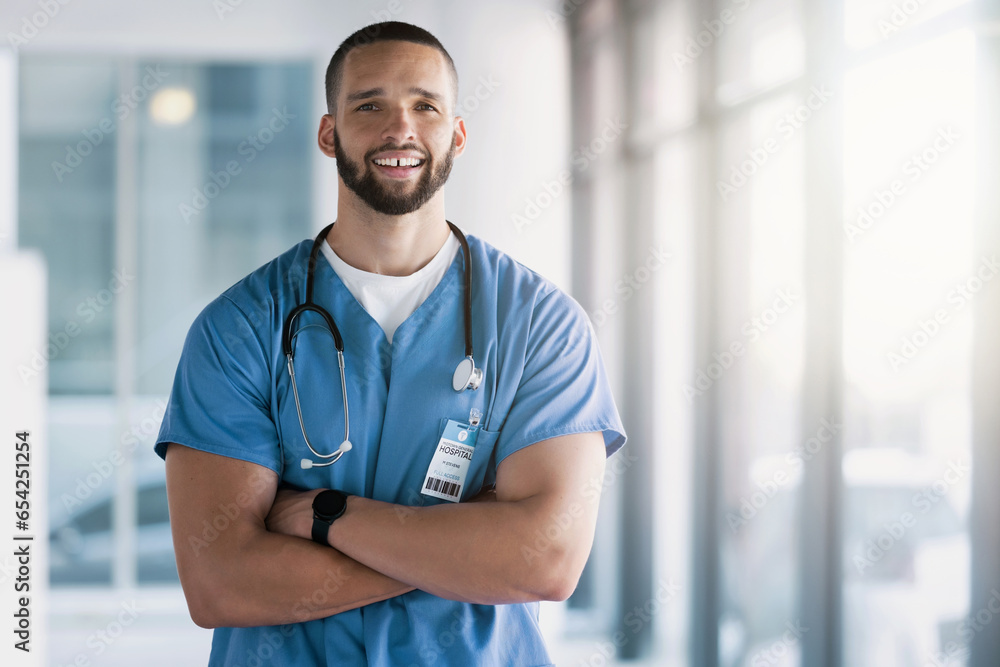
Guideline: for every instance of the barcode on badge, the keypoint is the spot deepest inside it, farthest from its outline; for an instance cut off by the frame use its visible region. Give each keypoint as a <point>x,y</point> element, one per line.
<point>443,487</point>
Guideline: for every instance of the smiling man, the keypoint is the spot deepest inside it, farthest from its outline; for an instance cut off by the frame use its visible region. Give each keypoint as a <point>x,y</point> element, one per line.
<point>340,492</point>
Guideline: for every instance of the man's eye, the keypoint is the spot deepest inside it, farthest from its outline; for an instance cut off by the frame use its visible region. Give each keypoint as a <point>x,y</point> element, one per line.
<point>366,107</point>
<point>426,106</point>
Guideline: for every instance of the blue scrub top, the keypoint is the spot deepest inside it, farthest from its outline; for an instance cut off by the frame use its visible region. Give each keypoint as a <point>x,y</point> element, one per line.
<point>543,377</point>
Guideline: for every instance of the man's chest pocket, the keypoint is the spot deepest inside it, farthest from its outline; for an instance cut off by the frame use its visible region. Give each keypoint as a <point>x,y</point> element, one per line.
<point>483,468</point>
<point>443,477</point>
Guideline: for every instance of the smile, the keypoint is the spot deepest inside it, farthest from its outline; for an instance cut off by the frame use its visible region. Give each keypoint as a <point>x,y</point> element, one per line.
<point>399,162</point>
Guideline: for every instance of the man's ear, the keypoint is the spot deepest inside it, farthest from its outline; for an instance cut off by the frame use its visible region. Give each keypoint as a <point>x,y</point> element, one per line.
<point>461,135</point>
<point>325,137</point>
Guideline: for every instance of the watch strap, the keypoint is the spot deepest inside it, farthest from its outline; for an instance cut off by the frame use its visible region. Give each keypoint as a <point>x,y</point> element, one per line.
<point>320,530</point>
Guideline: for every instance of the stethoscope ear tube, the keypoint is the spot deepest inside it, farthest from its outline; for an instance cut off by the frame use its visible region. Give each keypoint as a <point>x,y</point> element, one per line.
<point>467,310</point>
<point>308,305</point>
<point>286,330</point>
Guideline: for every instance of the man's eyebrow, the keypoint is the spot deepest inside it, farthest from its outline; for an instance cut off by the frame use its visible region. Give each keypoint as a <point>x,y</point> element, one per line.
<point>377,92</point>
<point>423,92</point>
<point>365,94</point>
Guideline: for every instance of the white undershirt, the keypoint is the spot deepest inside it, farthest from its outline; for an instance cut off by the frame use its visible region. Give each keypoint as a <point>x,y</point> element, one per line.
<point>391,299</point>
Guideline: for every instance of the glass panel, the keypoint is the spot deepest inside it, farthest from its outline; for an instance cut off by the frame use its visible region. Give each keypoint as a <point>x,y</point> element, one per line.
<point>232,142</point>
<point>911,272</point>
<point>675,219</point>
<point>223,189</point>
<point>757,372</point>
<point>868,22</point>
<point>224,185</point>
<point>67,211</point>
<point>760,44</point>
<point>81,488</point>
<point>665,76</point>
<point>154,543</point>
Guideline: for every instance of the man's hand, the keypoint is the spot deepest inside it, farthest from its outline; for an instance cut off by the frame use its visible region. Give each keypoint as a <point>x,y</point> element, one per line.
<point>485,495</point>
<point>291,513</point>
<point>527,542</point>
<point>240,576</point>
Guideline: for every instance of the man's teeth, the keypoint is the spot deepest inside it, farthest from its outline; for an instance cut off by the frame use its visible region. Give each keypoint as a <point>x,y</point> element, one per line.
<point>399,162</point>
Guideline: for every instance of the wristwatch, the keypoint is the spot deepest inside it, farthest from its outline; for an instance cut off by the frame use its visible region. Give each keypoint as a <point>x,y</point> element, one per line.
<point>328,506</point>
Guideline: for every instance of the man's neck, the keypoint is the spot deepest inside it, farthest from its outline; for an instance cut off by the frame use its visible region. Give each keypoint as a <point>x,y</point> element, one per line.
<point>385,244</point>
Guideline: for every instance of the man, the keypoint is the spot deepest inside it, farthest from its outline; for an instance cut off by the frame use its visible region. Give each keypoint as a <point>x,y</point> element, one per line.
<point>389,569</point>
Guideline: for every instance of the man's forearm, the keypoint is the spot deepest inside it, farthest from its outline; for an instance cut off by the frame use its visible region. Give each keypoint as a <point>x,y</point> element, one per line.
<point>529,541</point>
<point>483,553</point>
<point>272,579</point>
<point>245,574</point>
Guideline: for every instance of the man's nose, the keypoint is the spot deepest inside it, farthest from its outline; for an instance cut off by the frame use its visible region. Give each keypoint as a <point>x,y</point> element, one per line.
<point>399,127</point>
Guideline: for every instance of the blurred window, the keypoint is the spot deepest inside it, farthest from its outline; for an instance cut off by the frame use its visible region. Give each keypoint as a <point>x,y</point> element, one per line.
<point>756,374</point>
<point>150,187</point>
<point>909,279</point>
<point>871,22</point>
<point>735,154</point>
<point>759,44</point>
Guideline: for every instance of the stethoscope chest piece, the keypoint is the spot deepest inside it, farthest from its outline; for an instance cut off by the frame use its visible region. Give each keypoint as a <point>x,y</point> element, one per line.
<point>466,376</point>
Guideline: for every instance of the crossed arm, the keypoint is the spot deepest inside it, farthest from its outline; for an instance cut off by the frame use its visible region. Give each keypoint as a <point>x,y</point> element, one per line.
<point>262,568</point>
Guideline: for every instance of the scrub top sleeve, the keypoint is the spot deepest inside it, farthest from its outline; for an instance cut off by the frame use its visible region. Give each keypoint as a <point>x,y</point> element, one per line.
<point>219,402</point>
<point>563,388</point>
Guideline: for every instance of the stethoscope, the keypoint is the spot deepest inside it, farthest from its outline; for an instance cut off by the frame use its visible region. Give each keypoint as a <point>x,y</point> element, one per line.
<point>466,375</point>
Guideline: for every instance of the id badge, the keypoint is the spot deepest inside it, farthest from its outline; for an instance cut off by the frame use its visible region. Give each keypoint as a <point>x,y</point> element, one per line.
<point>446,474</point>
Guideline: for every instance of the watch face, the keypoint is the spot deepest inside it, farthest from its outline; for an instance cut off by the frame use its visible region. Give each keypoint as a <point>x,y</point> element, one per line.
<point>329,503</point>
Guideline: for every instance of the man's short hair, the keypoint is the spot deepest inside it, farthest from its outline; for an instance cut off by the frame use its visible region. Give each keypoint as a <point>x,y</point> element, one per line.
<point>381,32</point>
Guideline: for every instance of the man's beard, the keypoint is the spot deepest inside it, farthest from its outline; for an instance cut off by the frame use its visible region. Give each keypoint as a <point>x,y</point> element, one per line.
<point>383,199</point>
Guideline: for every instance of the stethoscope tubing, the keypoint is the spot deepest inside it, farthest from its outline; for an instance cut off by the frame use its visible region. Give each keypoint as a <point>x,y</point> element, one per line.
<point>475,375</point>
